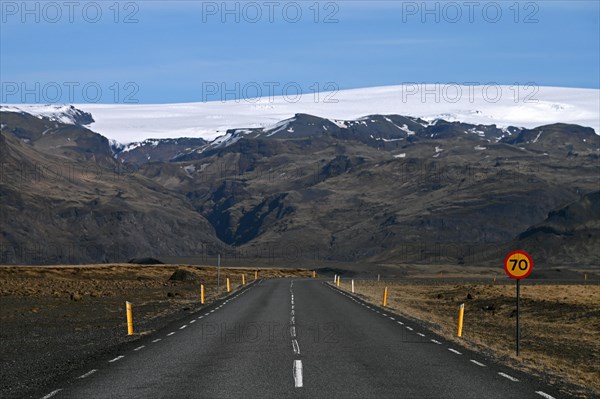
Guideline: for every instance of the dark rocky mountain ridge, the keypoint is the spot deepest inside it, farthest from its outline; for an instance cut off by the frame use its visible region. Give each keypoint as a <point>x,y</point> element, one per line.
<point>382,188</point>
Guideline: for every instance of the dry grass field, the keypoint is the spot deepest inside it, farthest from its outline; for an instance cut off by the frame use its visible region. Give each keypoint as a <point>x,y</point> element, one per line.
<point>560,324</point>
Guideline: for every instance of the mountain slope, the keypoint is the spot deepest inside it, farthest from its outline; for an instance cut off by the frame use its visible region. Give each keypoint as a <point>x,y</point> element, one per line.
<point>437,194</point>
<point>568,236</point>
<point>381,188</point>
<point>69,209</point>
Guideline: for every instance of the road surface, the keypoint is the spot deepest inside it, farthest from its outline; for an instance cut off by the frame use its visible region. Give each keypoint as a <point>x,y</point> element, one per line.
<point>298,338</point>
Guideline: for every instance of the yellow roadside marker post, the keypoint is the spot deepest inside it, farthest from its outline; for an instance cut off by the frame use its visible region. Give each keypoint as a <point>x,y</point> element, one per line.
<point>228,285</point>
<point>243,279</point>
<point>314,274</point>
<point>129,318</point>
<point>461,314</point>
<point>353,286</point>
<point>256,274</point>
<point>338,281</point>
<point>202,294</point>
<point>385,296</point>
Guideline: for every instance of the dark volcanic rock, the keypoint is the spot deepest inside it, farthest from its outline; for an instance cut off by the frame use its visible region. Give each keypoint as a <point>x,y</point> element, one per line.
<point>145,261</point>
<point>183,275</point>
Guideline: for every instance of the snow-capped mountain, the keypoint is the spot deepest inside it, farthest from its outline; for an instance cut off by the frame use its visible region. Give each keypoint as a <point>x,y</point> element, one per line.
<point>357,189</point>
<point>486,105</point>
<point>58,113</point>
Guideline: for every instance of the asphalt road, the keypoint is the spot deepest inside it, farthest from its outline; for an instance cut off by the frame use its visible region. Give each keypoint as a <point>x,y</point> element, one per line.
<point>296,338</point>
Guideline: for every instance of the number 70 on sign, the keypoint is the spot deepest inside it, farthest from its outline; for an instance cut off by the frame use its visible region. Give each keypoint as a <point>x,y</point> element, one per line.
<point>518,265</point>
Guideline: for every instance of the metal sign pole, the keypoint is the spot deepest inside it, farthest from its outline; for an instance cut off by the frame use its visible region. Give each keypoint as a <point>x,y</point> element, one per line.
<point>518,314</point>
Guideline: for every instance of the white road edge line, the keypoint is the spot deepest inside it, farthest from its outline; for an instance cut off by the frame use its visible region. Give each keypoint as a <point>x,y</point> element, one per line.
<point>183,326</point>
<point>171,333</point>
<point>477,363</point>
<point>192,321</point>
<point>510,377</point>
<point>293,332</point>
<point>298,373</point>
<point>409,328</point>
<point>421,334</point>
<point>139,348</point>
<point>545,395</point>
<point>87,374</point>
<point>156,340</point>
<point>454,351</point>
<point>116,358</point>
<point>436,342</point>
<point>51,394</point>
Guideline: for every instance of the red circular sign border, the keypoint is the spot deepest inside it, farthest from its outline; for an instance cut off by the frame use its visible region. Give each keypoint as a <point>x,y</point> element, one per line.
<point>528,258</point>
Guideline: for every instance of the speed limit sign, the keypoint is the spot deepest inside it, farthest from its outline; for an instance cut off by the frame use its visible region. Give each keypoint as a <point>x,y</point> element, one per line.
<point>518,265</point>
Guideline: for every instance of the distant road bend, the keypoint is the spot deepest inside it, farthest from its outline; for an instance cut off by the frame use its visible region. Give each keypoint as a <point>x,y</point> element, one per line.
<point>297,338</point>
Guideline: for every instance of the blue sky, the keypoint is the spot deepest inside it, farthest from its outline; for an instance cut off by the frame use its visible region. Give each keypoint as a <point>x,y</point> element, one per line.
<point>177,51</point>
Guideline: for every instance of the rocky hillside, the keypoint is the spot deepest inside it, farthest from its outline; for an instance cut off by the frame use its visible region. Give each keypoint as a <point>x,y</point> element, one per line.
<point>66,203</point>
<point>568,236</point>
<point>382,188</point>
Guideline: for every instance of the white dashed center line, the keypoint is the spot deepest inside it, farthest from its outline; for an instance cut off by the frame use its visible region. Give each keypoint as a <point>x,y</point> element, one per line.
<point>116,358</point>
<point>156,340</point>
<point>298,373</point>
<point>295,347</point>
<point>477,363</point>
<point>171,333</point>
<point>139,348</point>
<point>183,326</point>
<point>436,342</point>
<point>454,351</point>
